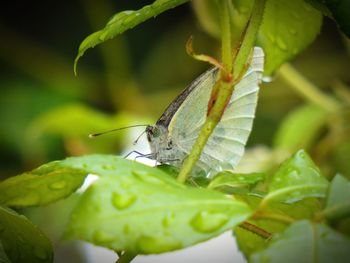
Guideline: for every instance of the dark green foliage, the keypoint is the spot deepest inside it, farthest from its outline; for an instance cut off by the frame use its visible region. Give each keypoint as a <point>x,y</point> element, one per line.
<point>21,240</point>
<point>338,9</point>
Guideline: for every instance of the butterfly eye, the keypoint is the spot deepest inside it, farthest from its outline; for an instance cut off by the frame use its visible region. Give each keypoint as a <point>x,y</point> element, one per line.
<point>155,132</point>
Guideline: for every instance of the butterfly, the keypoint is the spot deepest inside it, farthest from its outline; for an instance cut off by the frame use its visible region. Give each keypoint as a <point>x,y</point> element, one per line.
<point>172,137</point>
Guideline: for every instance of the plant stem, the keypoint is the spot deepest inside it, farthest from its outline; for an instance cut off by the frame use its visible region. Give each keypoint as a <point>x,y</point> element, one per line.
<point>255,230</point>
<point>226,45</point>
<point>249,37</point>
<point>307,89</point>
<point>274,216</point>
<point>225,87</point>
<point>217,110</point>
<point>126,257</point>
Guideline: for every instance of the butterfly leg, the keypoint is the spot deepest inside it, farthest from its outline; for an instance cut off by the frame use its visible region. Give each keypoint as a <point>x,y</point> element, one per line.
<point>139,154</point>
<point>149,155</point>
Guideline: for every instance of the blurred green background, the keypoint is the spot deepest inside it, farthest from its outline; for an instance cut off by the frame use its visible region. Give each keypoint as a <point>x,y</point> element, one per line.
<point>46,113</point>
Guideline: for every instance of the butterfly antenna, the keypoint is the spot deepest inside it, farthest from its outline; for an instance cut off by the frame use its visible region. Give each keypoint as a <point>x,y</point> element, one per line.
<point>93,135</point>
<point>137,139</point>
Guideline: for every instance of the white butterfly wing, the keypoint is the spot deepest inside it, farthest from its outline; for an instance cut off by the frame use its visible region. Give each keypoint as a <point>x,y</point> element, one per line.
<point>225,146</point>
<point>192,112</point>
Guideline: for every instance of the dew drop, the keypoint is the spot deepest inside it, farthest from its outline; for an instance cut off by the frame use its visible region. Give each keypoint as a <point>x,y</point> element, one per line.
<point>128,20</point>
<point>168,219</point>
<point>290,170</point>
<point>122,201</point>
<point>302,155</point>
<point>102,237</point>
<point>103,36</point>
<point>267,79</point>
<point>207,222</point>
<point>153,245</point>
<point>40,253</point>
<point>58,185</point>
<point>282,44</point>
<point>27,199</point>
<point>118,17</point>
<point>147,177</point>
<point>125,184</point>
<point>293,175</point>
<point>107,167</point>
<point>126,229</point>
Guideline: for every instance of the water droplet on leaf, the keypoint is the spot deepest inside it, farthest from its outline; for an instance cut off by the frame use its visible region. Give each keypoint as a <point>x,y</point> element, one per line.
<point>104,35</point>
<point>102,237</point>
<point>207,222</point>
<point>153,245</point>
<point>58,185</point>
<point>147,177</point>
<point>26,199</point>
<point>126,229</point>
<point>168,219</point>
<point>122,201</point>
<point>267,79</point>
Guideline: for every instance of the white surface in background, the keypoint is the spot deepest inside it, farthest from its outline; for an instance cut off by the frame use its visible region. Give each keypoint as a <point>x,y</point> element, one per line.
<point>222,249</point>
<point>89,180</point>
<point>141,146</point>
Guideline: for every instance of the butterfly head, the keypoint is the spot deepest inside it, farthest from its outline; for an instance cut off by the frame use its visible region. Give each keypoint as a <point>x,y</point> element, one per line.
<point>153,133</point>
<point>157,136</point>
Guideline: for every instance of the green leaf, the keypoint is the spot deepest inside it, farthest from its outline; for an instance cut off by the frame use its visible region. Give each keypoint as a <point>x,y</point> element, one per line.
<point>306,242</point>
<point>288,28</point>
<point>44,185</point>
<point>320,5</point>
<point>208,15</point>
<point>123,21</point>
<point>297,178</point>
<point>234,183</point>
<point>21,240</point>
<point>341,12</point>
<point>300,128</point>
<point>340,158</point>
<point>250,243</point>
<point>338,9</point>
<point>3,256</point>
<point>143,210</point>
<point>338,200</point>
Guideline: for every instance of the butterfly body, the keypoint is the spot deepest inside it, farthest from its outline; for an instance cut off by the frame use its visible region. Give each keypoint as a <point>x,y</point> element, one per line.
<point>174,134</point>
